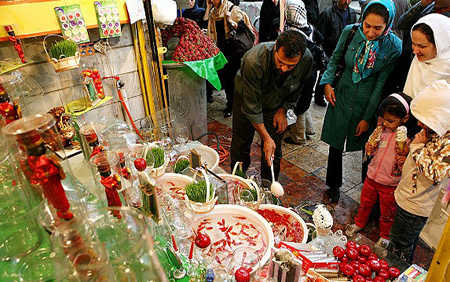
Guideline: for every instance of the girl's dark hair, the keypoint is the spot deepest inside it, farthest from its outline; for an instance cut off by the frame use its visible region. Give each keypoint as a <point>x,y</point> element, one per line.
<point>425,29</point>
<point>394,107</point>
<point>379,10</point>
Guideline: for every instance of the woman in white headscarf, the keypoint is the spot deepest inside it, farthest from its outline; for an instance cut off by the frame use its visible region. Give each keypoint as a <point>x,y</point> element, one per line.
<point>431,46</point>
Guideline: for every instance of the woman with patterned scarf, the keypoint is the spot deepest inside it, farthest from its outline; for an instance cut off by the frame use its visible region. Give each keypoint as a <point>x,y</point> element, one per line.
<point>426,168</point>
<point>222,16</point>
<point>369,59</point>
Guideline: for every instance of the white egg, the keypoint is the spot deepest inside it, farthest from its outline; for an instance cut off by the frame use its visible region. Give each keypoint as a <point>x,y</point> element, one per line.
<point>276,189</point>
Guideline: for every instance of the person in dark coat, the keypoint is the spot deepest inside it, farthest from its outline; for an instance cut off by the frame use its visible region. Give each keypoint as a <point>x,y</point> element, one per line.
<point>268,84</point>
<point>296,19</point>
<point>331,23</point>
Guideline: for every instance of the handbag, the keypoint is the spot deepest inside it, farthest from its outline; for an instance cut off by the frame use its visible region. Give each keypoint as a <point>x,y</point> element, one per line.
<point>341,65</point>
<point>240,40</point>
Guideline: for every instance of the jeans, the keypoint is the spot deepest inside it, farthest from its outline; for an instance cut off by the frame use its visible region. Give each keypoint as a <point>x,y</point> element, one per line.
<point>405,234</point>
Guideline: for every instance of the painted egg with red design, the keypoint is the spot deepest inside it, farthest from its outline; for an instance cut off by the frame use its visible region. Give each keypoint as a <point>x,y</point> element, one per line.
<point>117,30</point>
<point>63,18</point>
<point>105,32</point>
<point>111,31</point>
<point>77,15</point>
<point>71,17</point>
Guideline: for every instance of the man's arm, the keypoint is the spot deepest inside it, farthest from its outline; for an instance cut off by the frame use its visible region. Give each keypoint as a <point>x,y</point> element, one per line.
<point>269,144</point>
<point>410,17</point>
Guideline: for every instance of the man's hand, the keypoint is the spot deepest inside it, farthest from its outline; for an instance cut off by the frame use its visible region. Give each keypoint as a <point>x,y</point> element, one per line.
<point>329,94</point>
<point>361,128</point>
<point>280,121</point>
<point>425,3</point>
<point>269,150</point>
<point>421,137</point>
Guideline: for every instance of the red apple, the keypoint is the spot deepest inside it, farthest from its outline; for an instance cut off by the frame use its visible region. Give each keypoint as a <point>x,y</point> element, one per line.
<point>338,252</point>
<point>242,275</point>
<point>352,253</point>
<point>202,240</point>
<point>384,264</point>
<point>345,259</point>
<point>373,256</point>
<point>351,244</point>
<point>140,164</point>
<point>365,270</point>
<point>348,270</point>
<point>383,273</point>
<point>358,278</point>
<point>379,279</point>
<point>365,250</point>
<point>362,259</point>
<point>393,272</point>
<point>374,265</point>
<point>355,264</point>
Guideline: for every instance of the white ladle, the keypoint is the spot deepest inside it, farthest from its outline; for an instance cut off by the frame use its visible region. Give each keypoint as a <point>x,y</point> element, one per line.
<point>276,188</point>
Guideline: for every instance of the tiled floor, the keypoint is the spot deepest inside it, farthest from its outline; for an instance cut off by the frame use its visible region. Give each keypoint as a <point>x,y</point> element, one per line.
<point>303,170</point>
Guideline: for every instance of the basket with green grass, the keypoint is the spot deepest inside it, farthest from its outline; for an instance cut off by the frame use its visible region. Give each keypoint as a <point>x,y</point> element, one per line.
<point>181,165</point>
<point>159,157</point>
<point>63,54</point>
<point>201,195</point>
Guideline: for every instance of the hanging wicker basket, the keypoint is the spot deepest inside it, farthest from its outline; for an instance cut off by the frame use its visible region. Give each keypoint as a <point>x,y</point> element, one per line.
<point>63,63</point>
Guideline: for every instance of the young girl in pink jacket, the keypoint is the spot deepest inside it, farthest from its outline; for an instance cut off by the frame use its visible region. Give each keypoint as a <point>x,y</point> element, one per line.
<point>388,147</point>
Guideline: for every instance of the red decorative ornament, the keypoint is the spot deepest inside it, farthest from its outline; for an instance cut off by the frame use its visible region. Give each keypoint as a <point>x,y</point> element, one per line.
<point>17,43</point>
<point>47,172</point>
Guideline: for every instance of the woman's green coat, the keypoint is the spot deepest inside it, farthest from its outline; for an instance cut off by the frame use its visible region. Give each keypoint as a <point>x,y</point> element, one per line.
<point>356,101</point>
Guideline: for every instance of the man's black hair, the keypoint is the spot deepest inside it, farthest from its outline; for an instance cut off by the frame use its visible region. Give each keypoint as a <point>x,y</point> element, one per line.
<point>294,43</point>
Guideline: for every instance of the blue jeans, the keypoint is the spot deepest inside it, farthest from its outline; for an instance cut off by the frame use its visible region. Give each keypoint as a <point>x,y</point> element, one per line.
<point>405,234</point>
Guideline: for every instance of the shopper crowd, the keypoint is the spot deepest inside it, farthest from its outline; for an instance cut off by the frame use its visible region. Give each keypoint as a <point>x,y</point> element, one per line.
<point>386,78</point>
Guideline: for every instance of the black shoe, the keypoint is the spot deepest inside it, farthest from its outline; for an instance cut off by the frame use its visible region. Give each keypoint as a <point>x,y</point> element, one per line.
<point>227,114</point>
<point>289,140</point>
<point>227,110</point>
<point>210,99</point>
<point>334,194</point>
<point>320,102</point>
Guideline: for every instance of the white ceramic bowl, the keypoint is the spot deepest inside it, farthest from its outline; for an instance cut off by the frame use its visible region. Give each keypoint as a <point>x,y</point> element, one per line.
<point>228,211</point>
<point>208,155</point>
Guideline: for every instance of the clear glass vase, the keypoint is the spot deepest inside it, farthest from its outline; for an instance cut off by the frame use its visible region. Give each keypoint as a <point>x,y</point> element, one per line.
<point>129,244</point>
<point>35,145</point>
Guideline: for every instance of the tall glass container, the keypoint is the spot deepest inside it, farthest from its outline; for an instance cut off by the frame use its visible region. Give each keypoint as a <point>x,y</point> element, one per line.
<point>129,245</point>
<point>23,244</point>
<point>35,144</point>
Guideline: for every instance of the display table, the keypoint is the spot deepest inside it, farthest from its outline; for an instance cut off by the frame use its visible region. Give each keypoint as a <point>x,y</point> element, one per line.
<point>187,89</point>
